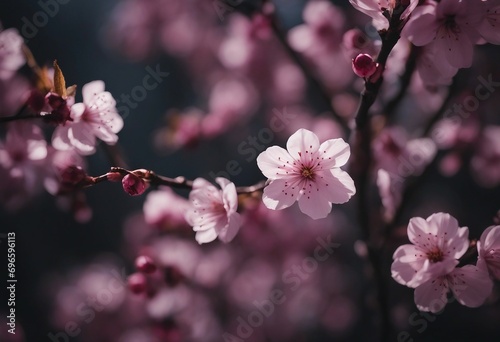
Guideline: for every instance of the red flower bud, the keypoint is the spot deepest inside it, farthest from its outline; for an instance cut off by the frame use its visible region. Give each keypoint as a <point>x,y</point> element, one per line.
<point>145,264</point>
<point>364,65</point>
<point>133,185</point>
<point>137,283</point>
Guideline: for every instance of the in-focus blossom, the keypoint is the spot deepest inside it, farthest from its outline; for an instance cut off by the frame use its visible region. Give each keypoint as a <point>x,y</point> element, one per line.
<point>213,212</point>
<point>488,248</point>
<point>95,117</point>
<point>307,172</point>
<point>380,10</point>
<point>429,264</point>
<point>449,27</point>
<point>11,53</point>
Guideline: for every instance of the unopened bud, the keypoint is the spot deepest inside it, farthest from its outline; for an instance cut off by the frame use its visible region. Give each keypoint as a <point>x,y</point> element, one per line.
<point>137,283</point>
<point>133,185</point>
<point>114,176</point>
<point>72,175</point>
<point>364,65</point>
<point>145,264</point>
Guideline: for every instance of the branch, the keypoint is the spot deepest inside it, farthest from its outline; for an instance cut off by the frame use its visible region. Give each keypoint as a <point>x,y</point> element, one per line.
<point>319,87</point>
<point>116,173</point>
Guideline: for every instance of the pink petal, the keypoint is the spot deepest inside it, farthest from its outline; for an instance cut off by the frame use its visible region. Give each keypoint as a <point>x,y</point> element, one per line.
<point>82,138</point>
<point>454,49</point>
<point>491,238</point>
<point>60,140</point>
<point>91,89</point>
<point>334,186</point>
<point>275,162</point>
<point>302,145</point>
<point>314,206</point>
<point>205,236</point>
<point>418,229</point>
<point>432,270</point>
<point>422,27</point>
<point>280,195</point>
<point>229,195</point>
<point>228,233</point>
<point>77,110</point>
<point>408,259</point>
<point>470,285</point>
<point>450,237</point>
<point>431,296</point>
<point>334,153</point>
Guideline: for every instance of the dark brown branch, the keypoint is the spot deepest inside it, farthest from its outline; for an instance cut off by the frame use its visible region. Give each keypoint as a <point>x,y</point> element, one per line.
<point>312,80</point>
<point>156,180</point>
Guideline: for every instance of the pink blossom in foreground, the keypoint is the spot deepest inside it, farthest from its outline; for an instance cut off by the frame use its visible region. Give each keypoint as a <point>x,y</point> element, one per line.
<point>488,248</point>
<point>95,117</point>
<point>429,264</point>
<point>308,173</point>
<point>213,212</point>
<point>376,9</point>
<point>437,243</point>
<point>449,27</point>
<point>11,53</point>
<point>488,28</point>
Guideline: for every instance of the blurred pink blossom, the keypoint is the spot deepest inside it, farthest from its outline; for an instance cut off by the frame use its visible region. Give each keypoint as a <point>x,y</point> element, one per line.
<point>488,248</point>
<point>11,53</point>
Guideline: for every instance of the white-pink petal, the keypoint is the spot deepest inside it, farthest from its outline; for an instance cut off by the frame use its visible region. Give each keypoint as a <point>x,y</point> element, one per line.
<point>470,285</point>
<point>431,295</point>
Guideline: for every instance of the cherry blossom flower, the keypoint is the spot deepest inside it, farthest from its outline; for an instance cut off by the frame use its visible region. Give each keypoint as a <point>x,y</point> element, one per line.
<point>429,264</point>
<point>165,209</point>
<point>379,9</point>
<point>488,28</point>
<point>11,53</point>
<point>437,243</point>
<point>213,212</point>
<point>95,117</point>
<point>308,173</point>
<point>449,27</point>
<point>488,248</point>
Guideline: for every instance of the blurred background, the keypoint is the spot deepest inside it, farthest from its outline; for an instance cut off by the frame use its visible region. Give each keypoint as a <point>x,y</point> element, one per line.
<point>62,262</point>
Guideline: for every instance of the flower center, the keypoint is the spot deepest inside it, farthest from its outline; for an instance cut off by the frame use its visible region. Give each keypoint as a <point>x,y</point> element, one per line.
<point>307,172</point>
<point>435,255</point>
<point>451,24</point>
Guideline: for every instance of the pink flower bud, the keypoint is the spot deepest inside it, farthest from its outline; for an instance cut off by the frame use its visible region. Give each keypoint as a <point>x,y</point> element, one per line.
<point>133,185</point>
<point>145,264</point>
<point>114,176</point>
<point>137,283</point>
<point>364,65</point>
<point>72,175</point>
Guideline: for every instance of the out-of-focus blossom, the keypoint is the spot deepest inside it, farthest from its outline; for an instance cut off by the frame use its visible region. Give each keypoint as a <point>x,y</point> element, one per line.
<point>213,212</point>
<point>488,248</point>
<point>355,42</point>
<point>13,94</point>
<point>231,102</point>
<point>432,73</point>
<point>321,31</point>
<point>95,117</point>
<point>485,163</point>
<point>429,264</point>
<point>165,209</point>
<point>183,130</point>
<point>450,27</point>
<point>11,53</point>
<point>308,173</point>
<point>22,161</point>
<point>380,11</point>
<point>60,162</point>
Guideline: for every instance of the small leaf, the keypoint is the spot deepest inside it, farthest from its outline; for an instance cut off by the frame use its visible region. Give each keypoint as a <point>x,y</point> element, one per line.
<point>71,91</point>
<point>59,82</point>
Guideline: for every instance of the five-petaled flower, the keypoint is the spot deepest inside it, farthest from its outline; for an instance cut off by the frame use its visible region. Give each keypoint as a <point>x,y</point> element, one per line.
<point>429,264</point>
<point>95,117</point>
<point>213,211</point>
<point>308,173</point>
